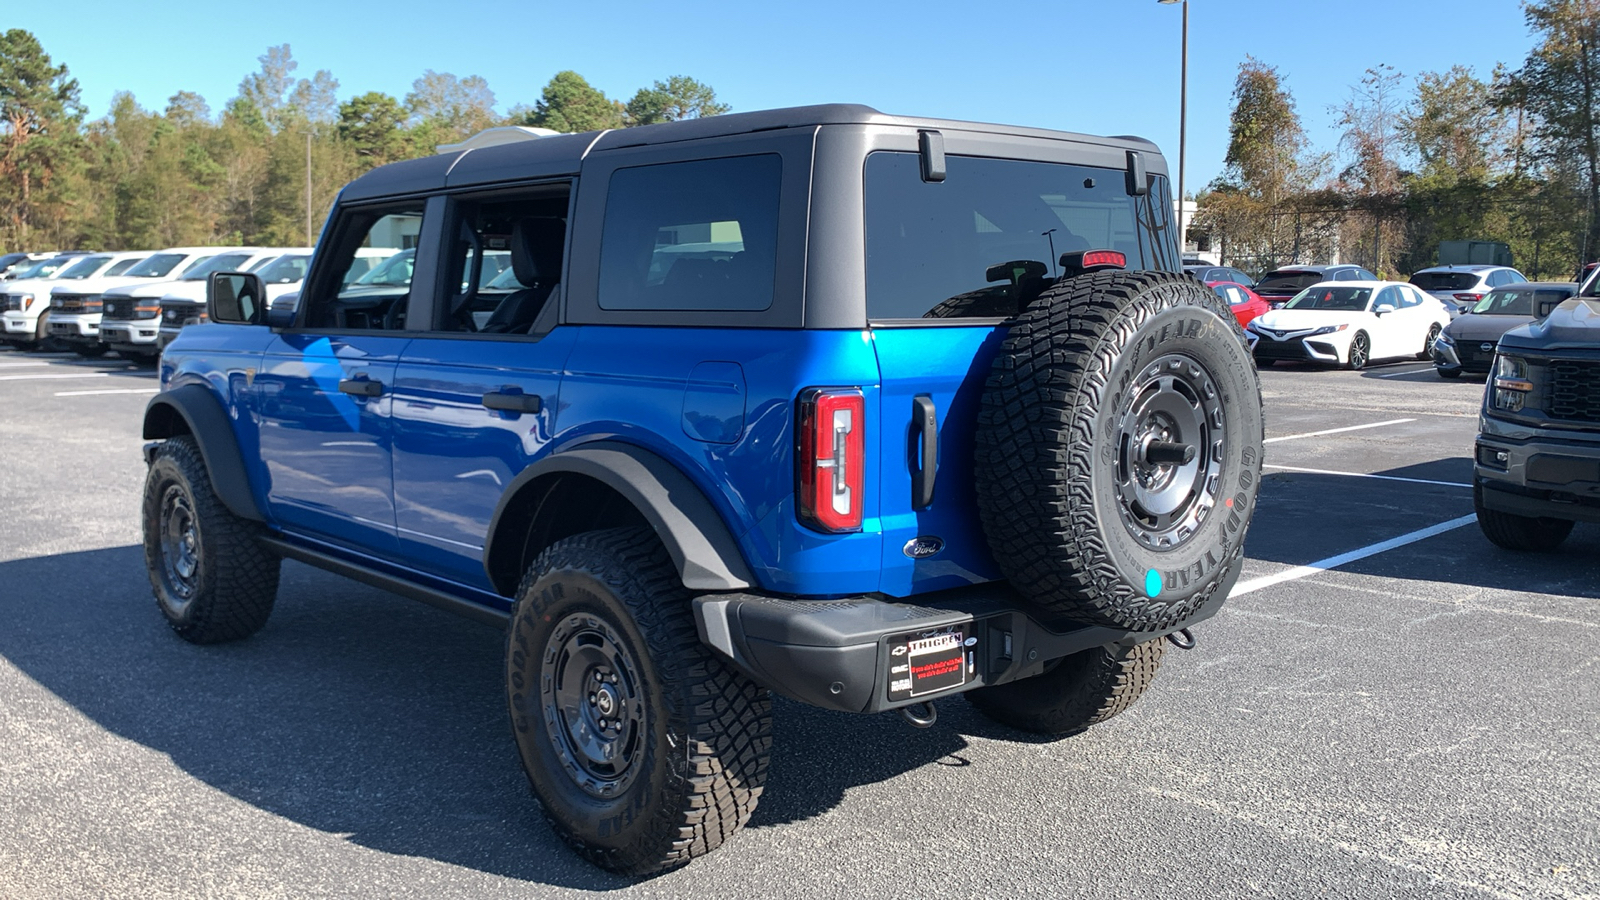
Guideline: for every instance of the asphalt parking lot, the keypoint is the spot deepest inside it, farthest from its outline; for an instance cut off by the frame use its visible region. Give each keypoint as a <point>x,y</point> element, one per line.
<point>1389,706</point>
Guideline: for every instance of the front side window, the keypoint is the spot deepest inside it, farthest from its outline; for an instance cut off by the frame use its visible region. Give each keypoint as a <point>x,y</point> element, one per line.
<point>987,240</point>
<point>697,235</point>
<point>378,304</point>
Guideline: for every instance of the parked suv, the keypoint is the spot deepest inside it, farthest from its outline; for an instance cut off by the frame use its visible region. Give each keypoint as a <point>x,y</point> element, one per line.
<point>1461,287</point>
<point>1467,344</point>
<point>1281,285</point>
<point>1537,460</point>
<point>800,401</point>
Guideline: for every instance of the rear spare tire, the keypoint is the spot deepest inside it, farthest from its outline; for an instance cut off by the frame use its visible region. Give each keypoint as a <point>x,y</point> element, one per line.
<point>1080,690</point>
<point>1118,451</point>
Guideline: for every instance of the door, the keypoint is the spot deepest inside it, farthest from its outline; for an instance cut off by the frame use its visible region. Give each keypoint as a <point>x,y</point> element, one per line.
<point>476,394</point>
<point>325,393</point>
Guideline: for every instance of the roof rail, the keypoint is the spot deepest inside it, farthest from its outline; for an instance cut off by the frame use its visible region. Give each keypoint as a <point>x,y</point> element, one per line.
<point>504,134</point>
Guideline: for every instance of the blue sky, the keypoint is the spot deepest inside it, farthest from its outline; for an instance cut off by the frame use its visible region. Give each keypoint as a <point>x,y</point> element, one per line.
<point>1107,67</point>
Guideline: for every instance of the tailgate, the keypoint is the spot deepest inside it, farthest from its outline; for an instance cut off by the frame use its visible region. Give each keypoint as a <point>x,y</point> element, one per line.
<point>940,545</point>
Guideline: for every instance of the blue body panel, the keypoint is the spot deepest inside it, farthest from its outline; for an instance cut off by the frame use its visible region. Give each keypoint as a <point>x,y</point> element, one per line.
<point>411,479</point>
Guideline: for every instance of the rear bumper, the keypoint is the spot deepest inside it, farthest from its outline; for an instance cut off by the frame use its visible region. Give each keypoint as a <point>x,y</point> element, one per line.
<point>850,654</point>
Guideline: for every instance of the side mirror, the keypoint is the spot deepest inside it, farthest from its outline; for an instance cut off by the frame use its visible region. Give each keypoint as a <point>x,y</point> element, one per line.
<point>236,298</point>
<point>1382,308</point>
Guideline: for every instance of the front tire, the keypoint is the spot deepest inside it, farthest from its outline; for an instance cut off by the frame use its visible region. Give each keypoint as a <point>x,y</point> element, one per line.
<point>1525,534</point>
<point>1360,352</point>
<point>643,746</point>
<point>1083,689</point>
<point>1449,374</point>
<point>212,578</point>
<point>1427,342</point>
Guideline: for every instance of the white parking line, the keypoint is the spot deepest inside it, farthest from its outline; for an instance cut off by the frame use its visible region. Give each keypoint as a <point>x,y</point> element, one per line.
<point>1367,475</point>
<point>28,365</point>
<point>1291,437</point>
<point>45,377</point>
<point>1334,562</point>
<point>111,391</point>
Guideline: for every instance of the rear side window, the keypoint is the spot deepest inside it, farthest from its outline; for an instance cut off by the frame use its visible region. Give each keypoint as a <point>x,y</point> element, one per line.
<point>987,240</point>
<point>699,235</point>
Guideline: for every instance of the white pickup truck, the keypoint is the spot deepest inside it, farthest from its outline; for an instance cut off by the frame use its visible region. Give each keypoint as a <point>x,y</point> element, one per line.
<point>25,301</point>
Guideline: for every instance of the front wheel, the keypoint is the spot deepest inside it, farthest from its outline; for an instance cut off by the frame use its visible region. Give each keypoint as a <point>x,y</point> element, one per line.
<point>1083,689</point>
<point>1526,534</point>
<point>212,578</point>
<point>645,749</point>
<point>1360,352</point>
<point>1427,342</point>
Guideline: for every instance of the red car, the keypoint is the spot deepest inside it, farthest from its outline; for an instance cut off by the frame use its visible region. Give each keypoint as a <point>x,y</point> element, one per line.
<point>1245,303</point>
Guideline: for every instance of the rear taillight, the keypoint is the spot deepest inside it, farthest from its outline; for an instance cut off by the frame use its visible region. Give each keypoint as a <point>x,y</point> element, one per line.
<point>1089,260</point>
<point>1469,298</point>
<point>831,448</point>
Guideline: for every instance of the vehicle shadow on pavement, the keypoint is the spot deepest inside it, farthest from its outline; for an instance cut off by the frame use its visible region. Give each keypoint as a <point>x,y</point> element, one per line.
<point>362,714</point>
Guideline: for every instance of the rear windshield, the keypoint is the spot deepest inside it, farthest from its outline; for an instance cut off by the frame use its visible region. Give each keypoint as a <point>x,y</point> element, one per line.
<point>987,240</point>
<point>1347,299</point>
<point>1445,281</point>
<point>1518,301</point>
<point>1288,282</point>
<point>157,266</point>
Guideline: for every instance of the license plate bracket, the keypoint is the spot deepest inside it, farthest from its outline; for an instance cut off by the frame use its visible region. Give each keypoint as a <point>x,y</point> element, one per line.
<point>923,663</point>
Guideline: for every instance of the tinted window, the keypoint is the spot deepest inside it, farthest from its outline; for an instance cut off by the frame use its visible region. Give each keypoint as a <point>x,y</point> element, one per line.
<point>85,267</point>
<point>1518,301</point>
<point>1444,281</point>
<point>1514,277</point>
<point>1285,282</point>
<point>987,240</point>
<point>222,262</point>
<point>117,268</point>
<point>691,236</point>
<point>285,270</point>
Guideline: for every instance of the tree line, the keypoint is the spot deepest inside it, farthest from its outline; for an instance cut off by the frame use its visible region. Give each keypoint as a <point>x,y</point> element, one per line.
<point>140,178</point>
<point>1422,159</point>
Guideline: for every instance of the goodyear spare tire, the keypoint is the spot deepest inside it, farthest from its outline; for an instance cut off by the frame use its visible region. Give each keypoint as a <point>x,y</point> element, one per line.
<point>1119,450</point>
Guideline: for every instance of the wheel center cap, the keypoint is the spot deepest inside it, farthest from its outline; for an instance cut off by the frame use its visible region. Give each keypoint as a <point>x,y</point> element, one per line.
<point>605,700</point>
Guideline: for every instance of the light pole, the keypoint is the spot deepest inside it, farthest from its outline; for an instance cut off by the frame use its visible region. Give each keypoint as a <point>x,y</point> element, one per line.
<point>1183,109</point>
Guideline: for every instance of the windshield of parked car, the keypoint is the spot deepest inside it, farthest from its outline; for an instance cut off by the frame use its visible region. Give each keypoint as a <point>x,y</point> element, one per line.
<point>392,272</point>
<point>222,262</point>
<point>85,267</point>
<point>45,268</point>
<point>286,269</point>
<point>1445,281</point>
<point>1343,299</point>
<point>1284,282</point>
<point>1517,301</point>
<point>157,266</point>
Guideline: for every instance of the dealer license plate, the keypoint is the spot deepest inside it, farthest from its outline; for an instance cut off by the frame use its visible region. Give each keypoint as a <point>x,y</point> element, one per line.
<point>925,663</point>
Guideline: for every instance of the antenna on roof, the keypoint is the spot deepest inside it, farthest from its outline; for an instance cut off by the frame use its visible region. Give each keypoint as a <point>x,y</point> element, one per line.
<point>504,134</point>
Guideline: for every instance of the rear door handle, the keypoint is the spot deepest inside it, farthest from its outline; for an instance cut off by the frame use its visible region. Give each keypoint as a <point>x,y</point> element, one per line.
<point>513,401</point>
<point>924,418</point>
<point>361,387</point>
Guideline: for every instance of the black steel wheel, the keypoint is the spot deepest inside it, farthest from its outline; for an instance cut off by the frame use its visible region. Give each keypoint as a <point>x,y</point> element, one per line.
<point>213,581</point>
<point>1118,451</point>
<point>1360,352</point>
<point>644,747</point>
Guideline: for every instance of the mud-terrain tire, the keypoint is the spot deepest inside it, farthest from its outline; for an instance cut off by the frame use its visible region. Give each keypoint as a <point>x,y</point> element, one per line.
<point>689,736</point>
<point>1088,377</point>
<point>1525,534</point>
<point>1083,689</point>
<point>212,578</point>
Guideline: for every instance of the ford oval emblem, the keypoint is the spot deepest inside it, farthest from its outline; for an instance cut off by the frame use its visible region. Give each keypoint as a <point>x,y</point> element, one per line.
<point>922,546</point>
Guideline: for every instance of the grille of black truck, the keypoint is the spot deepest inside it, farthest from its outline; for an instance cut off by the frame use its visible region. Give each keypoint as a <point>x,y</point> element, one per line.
<point>1574,390</point>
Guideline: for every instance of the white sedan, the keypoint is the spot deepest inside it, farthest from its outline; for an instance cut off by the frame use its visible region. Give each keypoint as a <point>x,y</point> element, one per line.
<point>1349,323</point>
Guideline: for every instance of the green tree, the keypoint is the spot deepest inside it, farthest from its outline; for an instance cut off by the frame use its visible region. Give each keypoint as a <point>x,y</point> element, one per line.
<point>40,114</point>
<point>679,97</point>
<point>1453,127</point>
<point>281,99</point>
<point>371,125</point>
<point>570,104</point>
<point>1559,86</point>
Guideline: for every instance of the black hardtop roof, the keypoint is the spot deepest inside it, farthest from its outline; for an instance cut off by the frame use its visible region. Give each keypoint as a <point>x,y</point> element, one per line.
<point>563,154</point>
<point>1461,267</point>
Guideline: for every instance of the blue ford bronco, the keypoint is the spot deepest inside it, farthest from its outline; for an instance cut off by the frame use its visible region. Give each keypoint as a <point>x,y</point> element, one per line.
<point>864,410</point>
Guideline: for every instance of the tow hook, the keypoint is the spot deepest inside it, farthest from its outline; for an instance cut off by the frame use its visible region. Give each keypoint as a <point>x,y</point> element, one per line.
<point>1183,639</point>
<point>923,719</point>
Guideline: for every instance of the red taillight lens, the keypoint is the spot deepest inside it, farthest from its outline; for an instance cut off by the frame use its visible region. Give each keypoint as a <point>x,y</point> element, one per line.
<point>1094,259</point>
<point>831,432</point>
<point>1469,298</point>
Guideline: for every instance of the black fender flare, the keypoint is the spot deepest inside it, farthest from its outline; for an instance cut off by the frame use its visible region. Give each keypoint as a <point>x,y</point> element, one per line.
<point>696,538</point>
<point>207,421</point>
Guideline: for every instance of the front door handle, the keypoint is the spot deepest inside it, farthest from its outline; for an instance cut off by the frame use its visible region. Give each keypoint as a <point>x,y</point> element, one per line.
<point>361,387</point>
<point>925,419</point>
<point>513,401</point>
